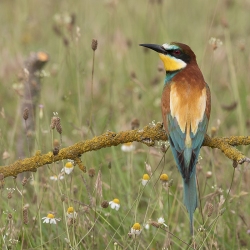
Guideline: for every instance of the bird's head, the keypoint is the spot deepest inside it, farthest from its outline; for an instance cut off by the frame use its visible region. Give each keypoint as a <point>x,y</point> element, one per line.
<point>175,56</point>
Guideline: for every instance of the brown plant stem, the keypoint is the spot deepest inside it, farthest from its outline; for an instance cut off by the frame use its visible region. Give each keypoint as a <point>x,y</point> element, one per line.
<point>148,135</point>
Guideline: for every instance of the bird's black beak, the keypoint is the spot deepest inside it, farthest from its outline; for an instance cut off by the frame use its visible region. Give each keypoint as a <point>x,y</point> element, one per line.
<point>155,47</point>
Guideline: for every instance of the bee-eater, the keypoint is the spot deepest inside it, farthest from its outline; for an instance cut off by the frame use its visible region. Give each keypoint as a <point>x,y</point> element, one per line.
<point>185,106</point>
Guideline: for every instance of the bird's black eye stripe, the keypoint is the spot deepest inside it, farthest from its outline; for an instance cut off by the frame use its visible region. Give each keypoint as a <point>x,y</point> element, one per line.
<point>179,54</point>
<point>176,53</point>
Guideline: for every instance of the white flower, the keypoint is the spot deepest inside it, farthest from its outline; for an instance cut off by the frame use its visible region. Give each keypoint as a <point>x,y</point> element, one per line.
<point>128,147</point>
<point>115,204</point>
<point>71,213</point>
<point>145,179</point>
<point>136,229</point>
<point>162,221</point>
<point>55,177</point>
<point>68,168</point>
<point>146,226</point>
<point>50,219</point>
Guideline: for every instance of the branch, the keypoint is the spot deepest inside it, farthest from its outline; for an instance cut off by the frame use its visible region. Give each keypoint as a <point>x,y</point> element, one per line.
<point>148,135</point>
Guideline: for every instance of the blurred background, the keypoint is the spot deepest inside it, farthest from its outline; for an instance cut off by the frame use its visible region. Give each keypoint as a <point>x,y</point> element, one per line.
<point>127,82</point>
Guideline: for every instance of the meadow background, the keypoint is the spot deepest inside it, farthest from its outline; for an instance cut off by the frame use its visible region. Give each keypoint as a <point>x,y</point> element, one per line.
<point>127,85</point>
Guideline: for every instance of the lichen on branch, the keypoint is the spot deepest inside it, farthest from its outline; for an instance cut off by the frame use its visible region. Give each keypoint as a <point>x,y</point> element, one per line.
<point>147,135</point>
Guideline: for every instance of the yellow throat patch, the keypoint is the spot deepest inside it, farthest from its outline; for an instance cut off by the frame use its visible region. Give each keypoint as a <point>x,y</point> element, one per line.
<point>172,63</point>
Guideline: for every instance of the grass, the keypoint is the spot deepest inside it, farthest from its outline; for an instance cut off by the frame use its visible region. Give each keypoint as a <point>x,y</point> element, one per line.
<point>126,84</point>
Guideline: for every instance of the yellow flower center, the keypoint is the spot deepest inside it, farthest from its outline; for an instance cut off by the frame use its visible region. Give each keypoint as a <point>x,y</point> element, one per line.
<point>116,201</point>
<point>128,144</point>
<point>137,226</point>
<point>69,165</point>
<point>145,177</point>
<point>164,177</point>
<point>70,210</point>
<point>50,216</point>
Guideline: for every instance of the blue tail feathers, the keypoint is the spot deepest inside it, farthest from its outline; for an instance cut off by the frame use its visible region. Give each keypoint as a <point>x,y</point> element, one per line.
<point>190,197</point>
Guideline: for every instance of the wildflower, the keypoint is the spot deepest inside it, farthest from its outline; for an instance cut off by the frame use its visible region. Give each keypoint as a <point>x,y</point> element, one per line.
<point>115,204</point>
<point>145,179</point>
<point>146,226</point>
<point>164,177</point>
<point>161,221</point>
<point>136,229</point>
<point>215,42</point>
<point>68,168</point>
<point>71,213</point>
<point>128,147</point>
<point>50,219</point>
<point>55,177</point>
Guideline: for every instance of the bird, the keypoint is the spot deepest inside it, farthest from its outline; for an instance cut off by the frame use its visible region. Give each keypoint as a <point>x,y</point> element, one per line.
<point>185,106</point>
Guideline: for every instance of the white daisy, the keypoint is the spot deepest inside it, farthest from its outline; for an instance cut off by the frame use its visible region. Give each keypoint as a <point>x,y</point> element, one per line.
<point>145,179</point>
<point>71,213</point>
<point>136,229</point>
<point>115,204</point>
<point>50,219</point>
<point>68,168</point>
<point>128,147</point>
<point>162,221</point>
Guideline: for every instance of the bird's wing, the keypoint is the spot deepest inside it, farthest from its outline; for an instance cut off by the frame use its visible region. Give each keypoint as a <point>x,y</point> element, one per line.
<point>186,157</point>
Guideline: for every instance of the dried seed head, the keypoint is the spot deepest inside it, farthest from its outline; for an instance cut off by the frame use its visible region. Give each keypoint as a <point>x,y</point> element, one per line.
<point>209,209</point>
<point>53,122</point>
<point>24,181</point>
<point>135,123</point>
<point>94,44</point>
<point>91,172</point>
<point>25,215</point>
<point>105,204</point>
<point>209,174</point>
<point>56,151</point>
<point>98,184</point>
<point>9,216</point>
<point>58,125</point>
<point>26,114</point>
<point>9,196</point>
<point>235,164</point>
<point>56,143</point>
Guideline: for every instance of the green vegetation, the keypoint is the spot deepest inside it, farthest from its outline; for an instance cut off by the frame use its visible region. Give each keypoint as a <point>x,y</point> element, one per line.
<point>127,84</point>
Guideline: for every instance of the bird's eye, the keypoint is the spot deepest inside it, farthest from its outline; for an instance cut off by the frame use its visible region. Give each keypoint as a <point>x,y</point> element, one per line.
<point>176,52</point>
